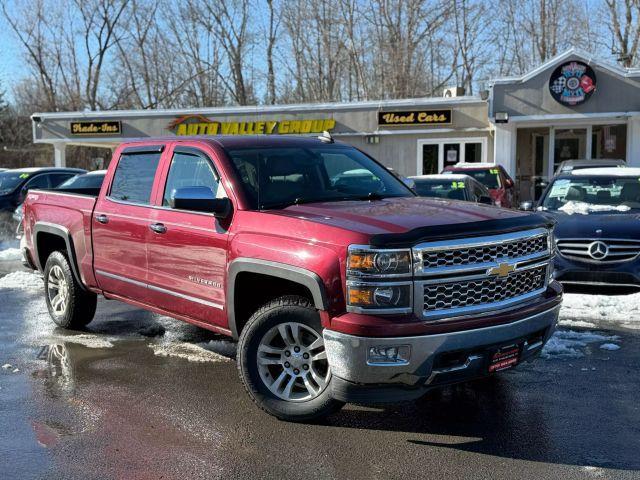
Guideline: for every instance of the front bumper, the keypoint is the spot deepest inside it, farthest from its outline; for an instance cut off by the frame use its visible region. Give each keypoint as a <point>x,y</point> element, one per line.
<point>435,359</point>
<point>573,272</point>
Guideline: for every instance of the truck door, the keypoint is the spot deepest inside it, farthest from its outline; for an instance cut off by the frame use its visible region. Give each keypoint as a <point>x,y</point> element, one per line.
<point>121,222</point>
<point>187,251</point>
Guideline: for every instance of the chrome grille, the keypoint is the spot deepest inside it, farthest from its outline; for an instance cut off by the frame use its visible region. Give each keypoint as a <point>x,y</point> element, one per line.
<point>469,293</point>
<point>473,275</point>
<point>615,250</point>
<point>485,253</point>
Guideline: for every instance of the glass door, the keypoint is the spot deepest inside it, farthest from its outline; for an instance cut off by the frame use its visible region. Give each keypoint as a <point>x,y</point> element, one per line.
<point>570,144</point>
<point>430,158</point>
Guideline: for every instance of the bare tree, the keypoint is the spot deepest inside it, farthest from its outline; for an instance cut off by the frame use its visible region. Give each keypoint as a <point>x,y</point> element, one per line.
<point>271,42</point>
<point>624,23</point>
<point>470,46</point>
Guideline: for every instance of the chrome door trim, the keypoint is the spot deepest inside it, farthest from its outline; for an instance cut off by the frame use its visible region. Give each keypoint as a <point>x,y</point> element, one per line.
<point>161,290</point>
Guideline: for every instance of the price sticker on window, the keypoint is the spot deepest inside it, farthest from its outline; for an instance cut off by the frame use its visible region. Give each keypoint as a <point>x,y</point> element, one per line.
<point>494,171</point>
<point>457,185</point>
<point>24,175</point>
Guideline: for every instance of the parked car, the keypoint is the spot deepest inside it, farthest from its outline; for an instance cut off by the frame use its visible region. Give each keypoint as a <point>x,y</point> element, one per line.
<point>406,180</point>
<point>597,235</point>
<point>492,176</point>
<point>83,184</point>
<point>14,185</point>
<point>568,166</point>
<point>336,292</point>
<point>453,187</point>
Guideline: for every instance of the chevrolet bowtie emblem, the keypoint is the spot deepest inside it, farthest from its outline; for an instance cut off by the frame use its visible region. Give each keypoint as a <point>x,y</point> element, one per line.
<point>502,270</point>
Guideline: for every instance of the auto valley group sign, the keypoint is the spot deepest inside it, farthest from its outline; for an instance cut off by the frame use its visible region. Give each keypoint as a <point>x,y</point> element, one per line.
<point>572,83</point>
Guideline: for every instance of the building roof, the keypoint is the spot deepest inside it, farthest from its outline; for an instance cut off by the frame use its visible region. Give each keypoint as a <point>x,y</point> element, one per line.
<point>257,109</point>
<point>567,54</point>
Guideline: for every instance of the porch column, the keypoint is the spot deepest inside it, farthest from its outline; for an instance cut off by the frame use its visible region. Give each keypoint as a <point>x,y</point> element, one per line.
<point>504,147</point>
<point>59,156</point>
<point>633,141</point>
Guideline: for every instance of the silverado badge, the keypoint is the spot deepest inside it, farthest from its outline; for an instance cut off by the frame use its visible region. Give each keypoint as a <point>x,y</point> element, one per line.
<point>502,270</point>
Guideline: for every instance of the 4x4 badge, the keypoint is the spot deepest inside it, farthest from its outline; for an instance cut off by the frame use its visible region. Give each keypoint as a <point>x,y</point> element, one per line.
<point>502,270</point>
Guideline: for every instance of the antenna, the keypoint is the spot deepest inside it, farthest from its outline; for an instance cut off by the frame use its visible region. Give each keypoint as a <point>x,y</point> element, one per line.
<point>326,137</point>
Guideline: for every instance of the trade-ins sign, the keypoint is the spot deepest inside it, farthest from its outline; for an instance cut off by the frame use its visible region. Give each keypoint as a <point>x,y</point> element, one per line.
<point>201,125</point>
<point>414,117</point>
<point>96,128</point>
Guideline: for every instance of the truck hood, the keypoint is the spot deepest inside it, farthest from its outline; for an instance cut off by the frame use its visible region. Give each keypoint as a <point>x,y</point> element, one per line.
<point>610,225</point>
<point>395,217</point>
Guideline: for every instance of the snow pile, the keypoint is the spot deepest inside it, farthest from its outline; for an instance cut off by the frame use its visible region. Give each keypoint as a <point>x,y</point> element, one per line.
<point>586,310</point>
<point>187,351</point>
<point>21,281</point>
<point>569,343</point>
<point>610,346</point>
<point>10,254</point>
<point>584,208</point>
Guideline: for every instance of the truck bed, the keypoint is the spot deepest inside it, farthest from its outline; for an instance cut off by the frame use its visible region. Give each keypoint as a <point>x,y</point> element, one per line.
<point>70,211</point>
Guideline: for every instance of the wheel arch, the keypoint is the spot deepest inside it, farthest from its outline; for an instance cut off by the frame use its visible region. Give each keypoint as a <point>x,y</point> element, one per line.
<point>305,280</point>
<point>45,230</point>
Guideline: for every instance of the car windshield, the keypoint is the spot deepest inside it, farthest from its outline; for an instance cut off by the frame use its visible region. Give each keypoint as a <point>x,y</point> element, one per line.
<point>84,181</point>
<point>453,189</point>
<point>591,194</point>
<point>490,178</point>
<point>278,177</point>
<point>9,181</point>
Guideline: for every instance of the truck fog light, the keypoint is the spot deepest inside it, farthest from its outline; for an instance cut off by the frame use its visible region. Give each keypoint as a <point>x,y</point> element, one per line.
<point>389,354</point>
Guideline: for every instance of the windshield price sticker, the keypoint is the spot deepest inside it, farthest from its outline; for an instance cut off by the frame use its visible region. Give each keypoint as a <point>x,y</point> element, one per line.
<point>24,175</point>
<point>456,185</point>
<point>494,171</point>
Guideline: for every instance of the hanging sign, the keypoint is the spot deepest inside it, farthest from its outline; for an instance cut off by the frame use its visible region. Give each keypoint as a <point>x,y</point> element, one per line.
<point>572,83</point>
<point>201,125</point>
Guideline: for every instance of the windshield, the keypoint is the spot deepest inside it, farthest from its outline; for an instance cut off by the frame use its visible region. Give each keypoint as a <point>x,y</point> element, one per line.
<point>84,181</point>
<point>9,181</point>
<point>489,178</point>
<point>593,194</point>
<point>278,177</point>
<point>453,189</point>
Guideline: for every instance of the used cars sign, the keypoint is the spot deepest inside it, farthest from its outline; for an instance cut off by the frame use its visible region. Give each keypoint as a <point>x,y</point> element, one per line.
<point>414,117</point>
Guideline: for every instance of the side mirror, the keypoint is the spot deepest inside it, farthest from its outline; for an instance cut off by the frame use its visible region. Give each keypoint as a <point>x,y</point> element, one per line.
<point>200,199</point>
<point>527,206</point>
<point>485,199</point>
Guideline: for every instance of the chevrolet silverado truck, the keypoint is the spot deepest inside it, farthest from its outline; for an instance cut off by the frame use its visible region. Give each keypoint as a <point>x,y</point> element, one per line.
<point>339,283</point>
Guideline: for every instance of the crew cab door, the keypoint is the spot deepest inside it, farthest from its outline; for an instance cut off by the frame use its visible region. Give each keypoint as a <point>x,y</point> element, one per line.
<point>120,223</point>
<point>187,251</point>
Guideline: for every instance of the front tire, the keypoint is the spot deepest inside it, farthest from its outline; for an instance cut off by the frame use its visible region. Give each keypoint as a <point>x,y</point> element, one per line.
<point>283,363</point>
<point>69,305</point>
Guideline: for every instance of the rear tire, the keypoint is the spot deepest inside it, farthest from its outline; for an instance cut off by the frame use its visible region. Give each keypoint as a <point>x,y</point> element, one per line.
<point>282,361</point>
<point>69,305</point>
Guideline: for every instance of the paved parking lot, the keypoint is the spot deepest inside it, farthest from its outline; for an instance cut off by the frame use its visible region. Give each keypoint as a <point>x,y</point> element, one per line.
<point>140,396</point>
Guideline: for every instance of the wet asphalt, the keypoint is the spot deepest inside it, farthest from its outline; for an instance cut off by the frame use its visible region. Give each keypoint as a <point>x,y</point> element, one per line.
<point>102,404</point>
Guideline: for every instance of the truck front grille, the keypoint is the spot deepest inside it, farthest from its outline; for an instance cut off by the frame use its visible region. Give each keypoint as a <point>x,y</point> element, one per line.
<point>483,292</point>
<point>473,275</point>
<point>485,253</point>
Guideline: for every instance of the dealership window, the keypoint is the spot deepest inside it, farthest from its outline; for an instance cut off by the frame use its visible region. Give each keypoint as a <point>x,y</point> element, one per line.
<point>609,141</point>
<point>436,154</point>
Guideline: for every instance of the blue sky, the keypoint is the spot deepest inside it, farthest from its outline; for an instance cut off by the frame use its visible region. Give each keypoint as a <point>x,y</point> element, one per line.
<point>12,65</point>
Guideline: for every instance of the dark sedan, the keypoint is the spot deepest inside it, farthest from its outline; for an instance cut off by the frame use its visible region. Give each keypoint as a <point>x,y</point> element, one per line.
<point>453,187</point>
<point>598,232</point>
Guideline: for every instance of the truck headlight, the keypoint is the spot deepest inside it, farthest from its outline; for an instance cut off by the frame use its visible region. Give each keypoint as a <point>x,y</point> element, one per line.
<point>367,262</point>
<point>387,297</point>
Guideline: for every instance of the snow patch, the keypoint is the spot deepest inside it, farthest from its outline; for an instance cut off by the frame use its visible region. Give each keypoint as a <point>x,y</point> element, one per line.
<point>610,346</point>
<point>85,339</point>
<point>622,309</point>
<point>570,343</point>
<point>187,351</point>
<point>21,281</point>
<point>584,208</point>
<point>10,254</point>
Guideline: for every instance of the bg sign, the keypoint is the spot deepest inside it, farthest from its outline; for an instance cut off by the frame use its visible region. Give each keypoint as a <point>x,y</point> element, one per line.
<point>414,117</point>
<point>96,128</point>
<point>572,83</point>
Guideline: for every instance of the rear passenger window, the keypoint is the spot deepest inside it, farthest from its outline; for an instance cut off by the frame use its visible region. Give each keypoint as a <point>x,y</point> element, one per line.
<point>133,180</point>
<point>189,170</point>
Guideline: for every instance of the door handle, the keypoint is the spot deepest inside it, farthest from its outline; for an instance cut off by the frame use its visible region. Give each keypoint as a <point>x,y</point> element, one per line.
<point>158,228</point>
<point>102,218</point>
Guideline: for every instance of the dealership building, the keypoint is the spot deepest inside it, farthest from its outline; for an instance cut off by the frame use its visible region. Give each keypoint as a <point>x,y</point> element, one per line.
<point>572,107</point>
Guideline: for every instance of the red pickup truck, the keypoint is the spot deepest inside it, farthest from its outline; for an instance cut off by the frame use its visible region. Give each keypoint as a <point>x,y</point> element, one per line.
<point>338,282</point>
